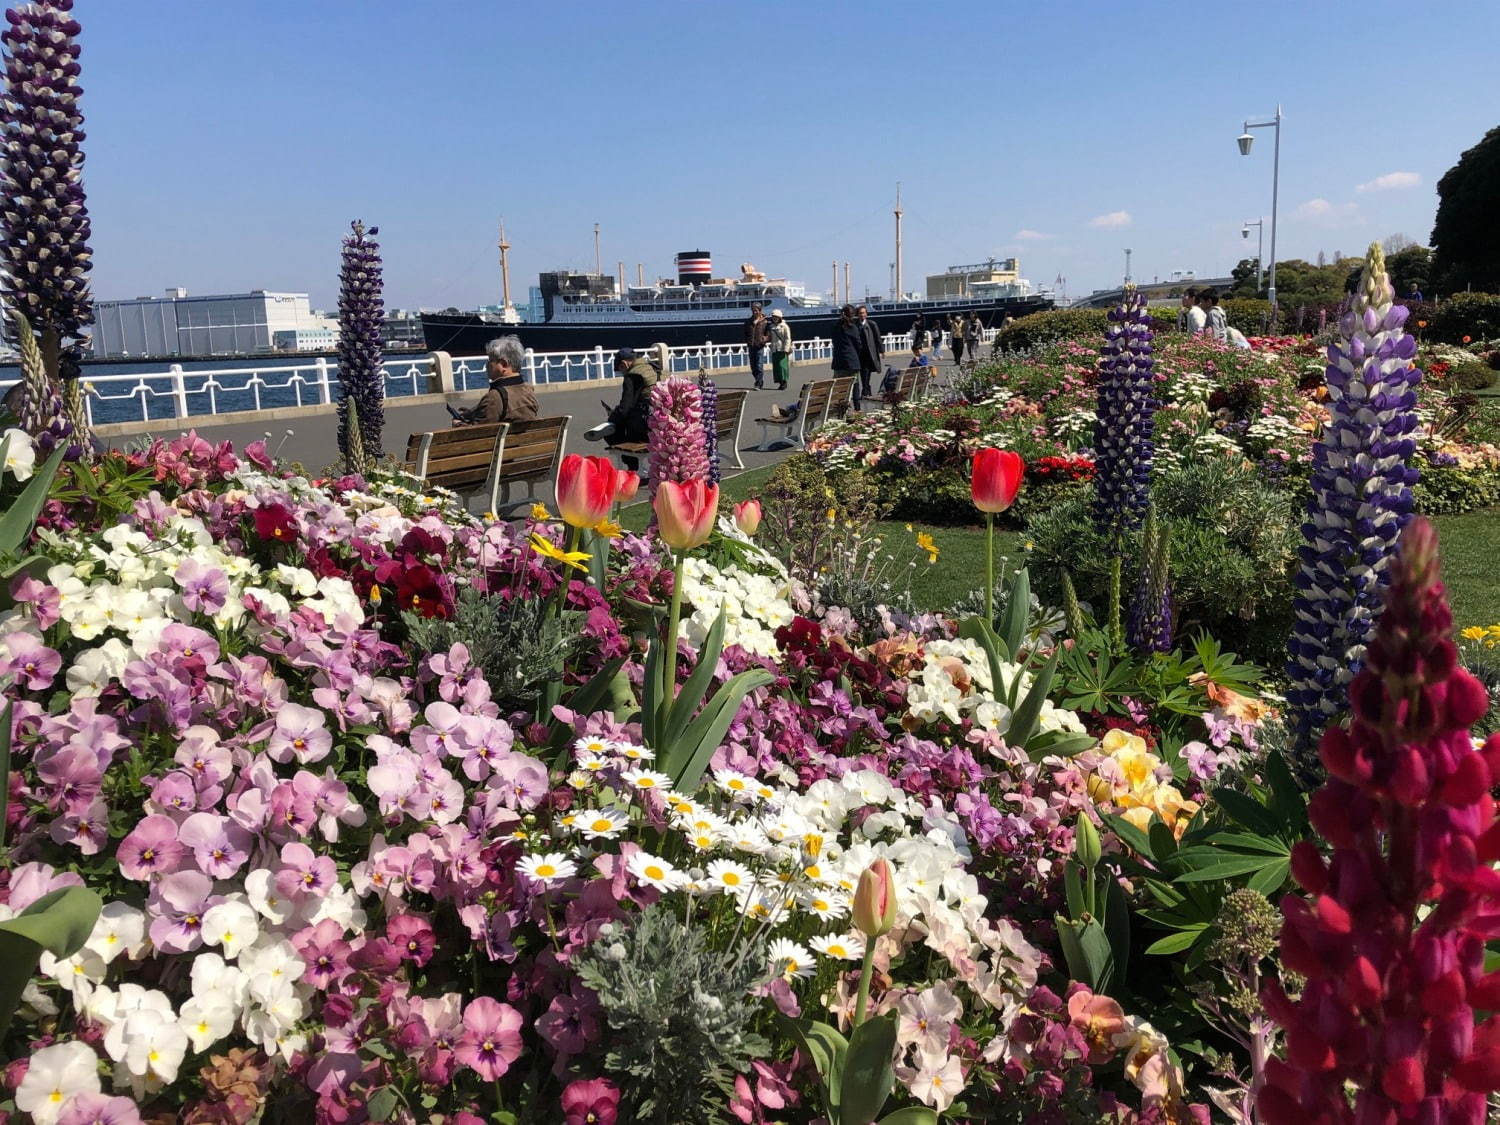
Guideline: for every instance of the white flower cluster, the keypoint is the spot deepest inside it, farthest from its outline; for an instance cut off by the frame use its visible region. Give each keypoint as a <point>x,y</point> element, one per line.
<point>954,684</point>
<point>1276,430</point>
<point>755,605</point>
<point>1191,387</point>
<point>20,454</point>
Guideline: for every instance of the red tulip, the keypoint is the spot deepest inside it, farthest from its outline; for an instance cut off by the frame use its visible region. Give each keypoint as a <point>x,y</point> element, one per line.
<point>685,513</point>
<point>747,516</point>
<point>875,900</point>
<point>586,489</point>
<point>629,485</point>
<point>996,479</point>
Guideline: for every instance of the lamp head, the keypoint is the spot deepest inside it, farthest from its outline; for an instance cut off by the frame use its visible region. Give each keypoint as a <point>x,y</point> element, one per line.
<point>1244,232</point>
<point>1245,141</point>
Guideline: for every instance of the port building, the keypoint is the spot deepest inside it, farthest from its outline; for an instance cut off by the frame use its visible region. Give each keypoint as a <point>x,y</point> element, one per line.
<point>218,324</point>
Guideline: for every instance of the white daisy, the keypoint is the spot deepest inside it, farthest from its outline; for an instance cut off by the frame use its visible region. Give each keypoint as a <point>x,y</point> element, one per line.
<point>634,753</point>
<point>591,748</point>
<point>646,779</point>
<point>828,906</point>
<point>730,877</point>
<point>601,824</point>
<point>734,783</point>
<point>679,804</point>
<point>791,959</point>
<point>655,872</point>
<point>548,868</point>
<point>841,947</point>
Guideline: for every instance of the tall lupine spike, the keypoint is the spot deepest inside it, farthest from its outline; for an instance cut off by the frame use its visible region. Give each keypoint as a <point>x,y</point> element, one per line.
<point>44,252</point>
<point>710,392</point>
<point>361,320</point>
<point>1362,476</point>
<point>1125,420</point>
<point>355,461</point>
<point>1072,610</point>
<point>674,430</point>
<point>42,413</point>
<point>1150,626</point>
<point>1391,937</point>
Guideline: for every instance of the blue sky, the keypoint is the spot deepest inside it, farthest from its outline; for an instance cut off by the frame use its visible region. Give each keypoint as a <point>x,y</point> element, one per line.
<point>230,143</point>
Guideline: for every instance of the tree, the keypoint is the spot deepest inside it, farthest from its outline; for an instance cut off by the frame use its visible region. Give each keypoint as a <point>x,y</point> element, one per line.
<point>1244,279</point>
<point>1465,236</point>
<point>1410,269</point>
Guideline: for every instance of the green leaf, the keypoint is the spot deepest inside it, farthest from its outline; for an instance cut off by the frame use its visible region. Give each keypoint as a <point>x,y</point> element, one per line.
<point>911,1115</point>
<point>1287,803</point>
<point>1268,880</point>
<point>695,687</point>
<point>1175,943</point>
<point>16,523</point>
<point>1132,836</point>
<point>1064,743</point>
<point>706,732</point>
<point>868,1074</point>
<point>1246,811</point>
<point>59,923</point>
<point>1024,719</point>
<point>1073,889</point>
<point>651,700</point>
<point>1228,869</point>
<point>586,700</point>
<point>1012,630</point>
<point>1087,951</point>
<point>827,1049</point>
<point>1163,843</point>
<point>1249,843</point>
<point>382,1104</point>
<point>1117,927</point>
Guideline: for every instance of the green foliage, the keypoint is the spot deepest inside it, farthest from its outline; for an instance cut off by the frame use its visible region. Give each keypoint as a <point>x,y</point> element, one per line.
<point>1251,315</point>
<point>1410,268</point>
<point>1476,375</point>
<point>1475,315</point>
<point>1095,932</point>
<point>1465,236</point>
<point>680,1013</point>
<point>798,497</point>
<point>1447,489</point>
<point>1300,282</point>
<point>854,1075</point>
<point>57,923</point>
<point>1045,327</point>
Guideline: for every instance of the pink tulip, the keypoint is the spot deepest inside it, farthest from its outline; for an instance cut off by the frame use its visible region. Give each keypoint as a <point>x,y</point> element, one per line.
<point>629,484</point>
<point>996,479</point>
<point>875,900</point>
<point>586,489</point>
<point>747,515</point>
<point>685,513</point>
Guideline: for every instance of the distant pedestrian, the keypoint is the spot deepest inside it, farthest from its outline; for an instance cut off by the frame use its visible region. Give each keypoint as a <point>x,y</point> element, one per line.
<point>847,337</point>
<point>1217,323</point>
<point>757,335</point>
<point>973,337</point>
<point>919,330</point>
<point>1189,302</point>
<point>937,338</point>
<point>869,355</point>
<point>781,349</point>
<point>956,332</point>
<point>1197,315</point>
<point>508,398</point>
<point>1416,294</point>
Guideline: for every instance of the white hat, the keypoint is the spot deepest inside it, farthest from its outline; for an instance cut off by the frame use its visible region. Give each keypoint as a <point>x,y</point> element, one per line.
<point>776,313</point>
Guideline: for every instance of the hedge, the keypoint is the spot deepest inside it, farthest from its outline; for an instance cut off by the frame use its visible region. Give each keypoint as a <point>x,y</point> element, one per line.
<point>1046,327</point>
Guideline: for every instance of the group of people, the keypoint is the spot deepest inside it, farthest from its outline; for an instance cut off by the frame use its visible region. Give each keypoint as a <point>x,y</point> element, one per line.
<point>1200,315</point>
<point>965,333</point>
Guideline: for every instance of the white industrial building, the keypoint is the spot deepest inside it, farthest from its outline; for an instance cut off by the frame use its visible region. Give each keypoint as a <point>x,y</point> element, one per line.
<point>220,324</point>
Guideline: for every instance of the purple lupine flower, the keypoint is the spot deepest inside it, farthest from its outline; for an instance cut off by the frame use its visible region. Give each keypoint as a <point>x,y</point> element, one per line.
<point>710,392</point>
<point>44,252</point>
<point>1125,419</point>
<point>675,432</point>
<point>1362,477</point>
<point>361,321</point>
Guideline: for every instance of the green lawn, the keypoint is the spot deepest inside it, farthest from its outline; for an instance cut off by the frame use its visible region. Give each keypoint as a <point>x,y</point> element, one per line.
<point>1471,565</point>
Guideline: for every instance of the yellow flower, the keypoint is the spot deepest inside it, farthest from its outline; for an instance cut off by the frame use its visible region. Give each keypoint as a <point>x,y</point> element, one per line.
<point>609,529</point>
<point>925,543</point>
<point>832,515</point>
<point>550,550</point>
<point>1474,633</point>
<point>375,595</point>
<point>539,512</point>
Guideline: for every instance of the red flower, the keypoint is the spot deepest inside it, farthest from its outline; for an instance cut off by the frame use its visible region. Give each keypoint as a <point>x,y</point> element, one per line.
<point>586,489</point>
<point>417,589</point>
<point>996,479</point>
<point>275,521</point>
<point>591,1102</point>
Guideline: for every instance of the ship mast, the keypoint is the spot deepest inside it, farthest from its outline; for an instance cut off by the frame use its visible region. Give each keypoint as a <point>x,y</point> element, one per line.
<point>835,281</point>
<point>598,266</point>
<point>508,311</point>
<point>898,240</point>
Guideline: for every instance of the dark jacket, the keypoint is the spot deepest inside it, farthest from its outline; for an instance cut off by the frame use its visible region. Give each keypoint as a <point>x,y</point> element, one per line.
<point>846,346</point>
<point>757,332</point>
<point>508,400</point>
<point>869,348</point>
<point>629,417</point>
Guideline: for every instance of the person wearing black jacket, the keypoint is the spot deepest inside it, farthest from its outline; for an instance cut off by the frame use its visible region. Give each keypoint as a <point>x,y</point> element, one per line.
<point>847,334</point>
<point>757,336</point>
<point>869,355</point>
<point>627,421</point>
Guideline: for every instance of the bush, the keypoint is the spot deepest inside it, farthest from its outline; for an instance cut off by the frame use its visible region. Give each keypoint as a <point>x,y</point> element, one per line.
<point>1475,315</point>
<point>1447,490</point>
<point>1040,328</point>
<point>1250,315</point>
<point>1475,376</point>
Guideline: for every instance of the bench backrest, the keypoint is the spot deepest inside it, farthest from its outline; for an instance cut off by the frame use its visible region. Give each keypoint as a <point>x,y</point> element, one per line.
<point>459,459</point>
<point>731,410</point>
<point>839,395</point>
<point>533,449</point>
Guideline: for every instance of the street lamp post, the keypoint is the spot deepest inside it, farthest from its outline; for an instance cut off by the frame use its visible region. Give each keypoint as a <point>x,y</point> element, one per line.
<point>1245,140</point>
<point>1260,245</point>
<point>1127,265</point>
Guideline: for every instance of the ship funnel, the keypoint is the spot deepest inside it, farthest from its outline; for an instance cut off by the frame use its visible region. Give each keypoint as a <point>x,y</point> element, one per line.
<point>694,267</point>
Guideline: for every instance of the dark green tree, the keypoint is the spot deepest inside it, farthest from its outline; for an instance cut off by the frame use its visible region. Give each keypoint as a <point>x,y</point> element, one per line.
<point>1244,279</point>
<point>1410,268</point>
<point>1465,235</point>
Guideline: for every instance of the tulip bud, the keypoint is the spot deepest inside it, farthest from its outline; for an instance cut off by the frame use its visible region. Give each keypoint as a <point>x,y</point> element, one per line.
<point>747,516</point>
<point>586,489</point>
<point>628,484</point>
<point>875,900</point>
<point>1086,842</point>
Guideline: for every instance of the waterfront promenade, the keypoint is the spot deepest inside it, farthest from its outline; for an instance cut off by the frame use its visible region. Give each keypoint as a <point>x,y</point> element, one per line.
<point>313,437</point>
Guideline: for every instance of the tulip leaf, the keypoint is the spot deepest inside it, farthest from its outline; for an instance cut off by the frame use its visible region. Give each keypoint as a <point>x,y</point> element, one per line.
<point>1012,628</point>
<point>1176,943</point>
<point>1024,719</point>
<point>1287,802</point>
<point>57,923</point>
<point>868,1074</point>
<point>1087,951</point>
<point>651,695</point>
<point>911,1115</point>
<point>1064,743</point>
<point>982,633</point>
<point>585,701</point>
<point>1117,924</point>
<point>1134,838</point>
<point>827,1049</point>
<point>706,732</point>
<point>695,687</point>
<point>16,523</point>
<point>1228,869</point>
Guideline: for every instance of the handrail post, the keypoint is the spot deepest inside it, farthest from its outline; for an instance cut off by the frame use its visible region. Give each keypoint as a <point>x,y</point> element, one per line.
<point>531,366</point>
<point>179,390</point>
<point>599,362</point>
<point>323,389</point>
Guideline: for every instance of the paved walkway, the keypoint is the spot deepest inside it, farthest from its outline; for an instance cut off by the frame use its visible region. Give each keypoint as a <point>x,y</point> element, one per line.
<point>312,439</point>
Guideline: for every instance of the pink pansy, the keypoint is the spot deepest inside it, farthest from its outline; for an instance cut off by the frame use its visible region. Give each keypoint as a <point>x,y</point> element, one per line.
<point>491,1039</point>
<point>304,873</point>
<point>300,734</point>
<point>150,849</point>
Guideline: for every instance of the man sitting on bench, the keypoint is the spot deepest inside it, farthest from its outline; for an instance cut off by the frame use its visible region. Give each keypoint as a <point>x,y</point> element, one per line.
<point>508,398</point>
<point>626,424</point>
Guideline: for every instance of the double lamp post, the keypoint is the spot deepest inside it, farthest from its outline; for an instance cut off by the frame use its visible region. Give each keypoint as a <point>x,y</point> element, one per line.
<point>1245,141</point>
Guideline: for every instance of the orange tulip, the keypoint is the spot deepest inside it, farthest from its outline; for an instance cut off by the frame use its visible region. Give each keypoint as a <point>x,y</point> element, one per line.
<point>685,513</point>
<point>875,900</point>
<point>586,489</point>
<point>996,479</point>
<point>747,516</point>
<point>629,485</point>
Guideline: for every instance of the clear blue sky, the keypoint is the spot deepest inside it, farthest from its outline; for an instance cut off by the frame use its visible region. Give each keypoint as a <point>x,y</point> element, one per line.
<point>230,142</point>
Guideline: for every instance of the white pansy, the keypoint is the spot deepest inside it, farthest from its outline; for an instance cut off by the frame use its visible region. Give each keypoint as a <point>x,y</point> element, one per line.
<point>121,929</point>
<point>231,926</point>
<point>96,668</point>
<point>206,1019</point>
<point>53,1075</point>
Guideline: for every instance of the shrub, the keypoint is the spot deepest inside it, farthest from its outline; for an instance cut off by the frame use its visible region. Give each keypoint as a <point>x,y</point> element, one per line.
<point>1476,375</point>
<point>1251,315</point>
<point>1446,490</point>
<point>1054,324</point>
<point>1475,315</point>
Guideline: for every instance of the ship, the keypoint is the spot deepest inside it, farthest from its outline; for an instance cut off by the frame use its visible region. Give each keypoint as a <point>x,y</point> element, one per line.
<point>584,311</point>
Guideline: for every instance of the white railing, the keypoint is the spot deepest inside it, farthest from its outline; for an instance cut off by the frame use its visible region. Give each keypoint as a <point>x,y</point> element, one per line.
<point>179,394</point>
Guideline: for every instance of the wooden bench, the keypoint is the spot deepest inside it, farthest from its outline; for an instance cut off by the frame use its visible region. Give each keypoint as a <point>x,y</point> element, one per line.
<point>462,459</point>
<point>731,418</point>
<point>532,452</point>
<point>840,399</point>
<point>812,409</point>
<point>911,386</point>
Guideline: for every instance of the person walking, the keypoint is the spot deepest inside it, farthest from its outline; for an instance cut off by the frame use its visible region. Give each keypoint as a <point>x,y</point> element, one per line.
<point>757,335</point>
<point>956,332</point>
<point>973,337</point>
<point>919,330</point>
<point>847,359</point>
<point>937,338</point>
<point>869,355</point>
<point>781,349</point>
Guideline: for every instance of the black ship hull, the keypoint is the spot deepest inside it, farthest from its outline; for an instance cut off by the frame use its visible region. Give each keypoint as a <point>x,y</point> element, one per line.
<point>467,334</point>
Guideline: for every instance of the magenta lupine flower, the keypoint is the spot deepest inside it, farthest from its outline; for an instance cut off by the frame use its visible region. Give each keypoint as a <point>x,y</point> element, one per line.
<point>205,589</point>
<point>492,1037</point>
<point>151,849</point>
<point>412,935</point>
<point>594,1101</point>
<point>301,734</point>
<point>177,904</point>
<point>675,432</point>
<point>304,873</point>
<point>32,664</point>
<point>99,1109</point>
<point>324,951</point>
